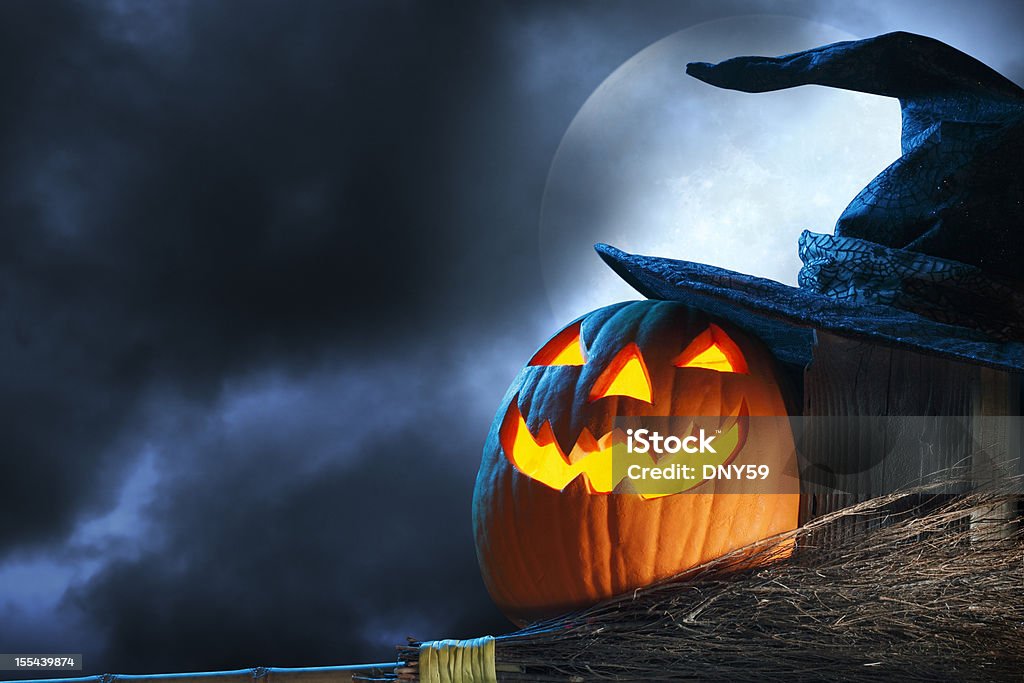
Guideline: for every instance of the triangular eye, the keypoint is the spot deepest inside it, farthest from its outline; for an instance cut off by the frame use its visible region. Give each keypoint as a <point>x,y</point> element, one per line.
<point>565,348</point>
<point>713,350</point>
<point>626,375</point>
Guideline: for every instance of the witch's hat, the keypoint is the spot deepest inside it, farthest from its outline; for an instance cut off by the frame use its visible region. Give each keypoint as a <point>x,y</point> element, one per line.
<point>928,255</point>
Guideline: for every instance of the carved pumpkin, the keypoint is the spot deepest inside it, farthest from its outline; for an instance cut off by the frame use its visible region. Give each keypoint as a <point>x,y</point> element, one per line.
<point>553,531</point>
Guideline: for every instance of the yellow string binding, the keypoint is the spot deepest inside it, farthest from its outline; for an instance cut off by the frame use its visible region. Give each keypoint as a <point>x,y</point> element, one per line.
<point>458,661</point>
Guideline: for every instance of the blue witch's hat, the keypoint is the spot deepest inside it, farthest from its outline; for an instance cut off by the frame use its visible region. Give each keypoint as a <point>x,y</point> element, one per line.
<point>929,255</point>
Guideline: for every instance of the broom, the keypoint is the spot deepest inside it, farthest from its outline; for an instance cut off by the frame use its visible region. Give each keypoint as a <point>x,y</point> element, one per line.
<point>912,586</point>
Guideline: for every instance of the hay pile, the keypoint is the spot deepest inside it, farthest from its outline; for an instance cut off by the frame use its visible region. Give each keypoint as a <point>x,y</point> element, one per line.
<point>911,587</point>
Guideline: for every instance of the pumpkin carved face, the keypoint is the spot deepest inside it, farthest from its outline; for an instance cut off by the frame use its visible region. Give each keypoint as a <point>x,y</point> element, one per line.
<point>556,526</point>
<point>625,376</point>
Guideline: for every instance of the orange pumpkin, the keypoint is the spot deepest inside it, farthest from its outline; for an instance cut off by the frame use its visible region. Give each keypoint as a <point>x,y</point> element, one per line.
<point>554,530</point>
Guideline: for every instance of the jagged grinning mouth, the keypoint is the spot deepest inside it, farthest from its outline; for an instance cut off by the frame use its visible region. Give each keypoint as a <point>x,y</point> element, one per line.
<point>542,459</point>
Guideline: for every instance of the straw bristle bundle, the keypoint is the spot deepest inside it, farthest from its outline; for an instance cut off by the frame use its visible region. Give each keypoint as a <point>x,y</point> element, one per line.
<point>910,587</point>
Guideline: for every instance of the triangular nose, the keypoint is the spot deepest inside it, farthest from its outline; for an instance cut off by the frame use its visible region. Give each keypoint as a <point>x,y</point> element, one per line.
<point>626,375</point>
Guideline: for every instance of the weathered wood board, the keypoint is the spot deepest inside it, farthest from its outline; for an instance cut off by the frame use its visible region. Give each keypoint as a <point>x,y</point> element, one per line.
<point>893,418</point>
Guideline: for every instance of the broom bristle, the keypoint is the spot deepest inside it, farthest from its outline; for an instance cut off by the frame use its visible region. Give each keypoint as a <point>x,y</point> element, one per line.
<point>910,586</point>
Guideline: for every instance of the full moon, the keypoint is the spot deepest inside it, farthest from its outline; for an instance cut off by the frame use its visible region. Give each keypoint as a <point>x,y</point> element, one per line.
<point>658,163</point>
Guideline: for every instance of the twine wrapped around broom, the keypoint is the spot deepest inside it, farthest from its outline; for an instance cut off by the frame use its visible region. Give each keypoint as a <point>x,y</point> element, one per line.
<point>912,586</point>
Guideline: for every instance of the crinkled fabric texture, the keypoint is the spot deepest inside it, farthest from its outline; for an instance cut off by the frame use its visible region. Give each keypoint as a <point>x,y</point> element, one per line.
<point>857,271</point>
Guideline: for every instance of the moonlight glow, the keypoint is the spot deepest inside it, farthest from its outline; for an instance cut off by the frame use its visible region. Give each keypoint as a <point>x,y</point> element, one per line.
<point>656,162</point>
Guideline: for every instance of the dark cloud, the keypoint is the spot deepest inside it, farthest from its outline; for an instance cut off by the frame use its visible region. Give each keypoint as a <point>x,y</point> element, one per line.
<point>203,193</point>
<point>314,540</point>
<point>266,269</point>
<point>275,189</point>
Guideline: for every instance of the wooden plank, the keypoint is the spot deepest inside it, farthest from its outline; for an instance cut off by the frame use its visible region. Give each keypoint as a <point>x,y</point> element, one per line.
<point>996,444</point>
<point>863,448</point>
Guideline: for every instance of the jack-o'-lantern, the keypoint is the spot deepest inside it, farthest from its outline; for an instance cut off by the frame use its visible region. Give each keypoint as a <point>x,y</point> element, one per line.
<point>556,526</point>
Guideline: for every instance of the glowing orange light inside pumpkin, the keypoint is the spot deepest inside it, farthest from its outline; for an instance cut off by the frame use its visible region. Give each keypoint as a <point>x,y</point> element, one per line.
<point>541,458</point>
<point>712,349</point>
<point>626,375</point>
<point>564,349</point>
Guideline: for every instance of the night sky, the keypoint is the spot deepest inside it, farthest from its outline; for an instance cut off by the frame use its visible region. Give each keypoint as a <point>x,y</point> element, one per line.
<point>266,270</point>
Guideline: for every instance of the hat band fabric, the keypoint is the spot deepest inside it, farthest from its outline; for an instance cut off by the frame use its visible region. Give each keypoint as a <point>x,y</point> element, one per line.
<point>858,271</point>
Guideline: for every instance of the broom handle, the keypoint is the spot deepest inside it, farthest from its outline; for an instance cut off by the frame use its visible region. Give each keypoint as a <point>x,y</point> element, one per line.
<point>310,674</point>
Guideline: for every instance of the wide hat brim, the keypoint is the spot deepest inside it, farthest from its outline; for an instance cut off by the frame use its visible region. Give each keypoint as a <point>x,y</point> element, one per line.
<point>786,317</point>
